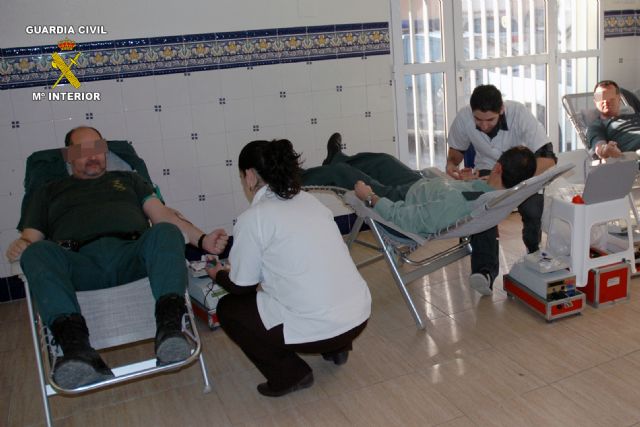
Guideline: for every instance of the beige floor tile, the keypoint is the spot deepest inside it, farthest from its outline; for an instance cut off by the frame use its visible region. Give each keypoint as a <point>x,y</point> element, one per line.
<point>176,407</point>
<point>554,351</point>
<point>13,310</point>
<point>474,382</point>
<point>242,402</point>
<point>372,360</point>
<point>458,422</point>
<point>500,322</point>
<point>405,401</point>
<point>320,413</point>
<point>443,339</point>
<point>609,393</point>
<point>612,327</point>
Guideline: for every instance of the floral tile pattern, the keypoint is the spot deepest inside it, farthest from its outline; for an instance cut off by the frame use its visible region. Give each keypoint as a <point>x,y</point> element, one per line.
<point>621,23</point>
<point>26,67</point>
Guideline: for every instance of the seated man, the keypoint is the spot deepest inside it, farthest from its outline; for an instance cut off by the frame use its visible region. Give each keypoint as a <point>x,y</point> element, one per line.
<point>612,133</point>
<point>91,231</point>
<point>422,205</point>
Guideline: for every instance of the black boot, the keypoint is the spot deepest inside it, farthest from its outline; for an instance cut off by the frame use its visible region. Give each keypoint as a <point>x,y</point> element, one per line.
<point>334,146</point>
<point>81,364</point>
<point>171,344</point>
<point>339,358</point>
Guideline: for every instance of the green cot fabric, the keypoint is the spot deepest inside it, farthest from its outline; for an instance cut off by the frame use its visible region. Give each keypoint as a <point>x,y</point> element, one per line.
<point>110,204</point>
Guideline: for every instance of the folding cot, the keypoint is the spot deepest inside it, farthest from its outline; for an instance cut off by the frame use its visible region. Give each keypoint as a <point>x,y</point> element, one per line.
<point>396,244</point>
<point>114,316</point>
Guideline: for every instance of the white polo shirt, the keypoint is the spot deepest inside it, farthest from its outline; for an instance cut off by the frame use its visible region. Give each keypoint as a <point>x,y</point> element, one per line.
<point>523,129</point>
<point>308,281</point>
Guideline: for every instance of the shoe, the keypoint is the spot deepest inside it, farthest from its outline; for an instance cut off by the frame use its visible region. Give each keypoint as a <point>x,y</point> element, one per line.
<point>171,344</point>
<point>339,358</point>
<point>481,283</point>
<point>306,382</point>
<point>334,146</point>
<point>81,364</point>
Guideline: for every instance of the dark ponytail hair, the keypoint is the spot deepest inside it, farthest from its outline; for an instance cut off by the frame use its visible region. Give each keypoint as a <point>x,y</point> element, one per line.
<point>276,162</point>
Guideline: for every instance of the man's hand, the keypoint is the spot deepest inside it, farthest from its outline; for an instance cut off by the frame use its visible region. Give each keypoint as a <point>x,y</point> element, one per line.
<point>610,149</point>
<point>16,248</point>
<point>362,190</point>
<point>453,171</point>
<point>215,242</point>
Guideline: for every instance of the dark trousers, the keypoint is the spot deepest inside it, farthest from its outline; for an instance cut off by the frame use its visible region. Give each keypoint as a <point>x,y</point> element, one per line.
<point>485,255</point>
<point>387,176</point>
<point>55,274</point>
<point>277,361</point>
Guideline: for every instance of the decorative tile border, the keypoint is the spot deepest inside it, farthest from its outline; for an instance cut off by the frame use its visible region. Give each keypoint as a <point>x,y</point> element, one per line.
<point>621,23</point>
<point>31,66</point>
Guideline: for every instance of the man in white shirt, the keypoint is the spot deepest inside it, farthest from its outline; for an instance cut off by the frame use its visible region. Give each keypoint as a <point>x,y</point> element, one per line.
<point>492,126</point>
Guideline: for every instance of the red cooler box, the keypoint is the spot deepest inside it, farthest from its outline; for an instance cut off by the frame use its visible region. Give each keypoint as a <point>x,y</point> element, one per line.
<point>608,284</point>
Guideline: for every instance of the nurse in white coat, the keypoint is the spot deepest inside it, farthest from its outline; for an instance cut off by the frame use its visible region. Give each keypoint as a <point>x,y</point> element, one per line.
<point>293,287</point>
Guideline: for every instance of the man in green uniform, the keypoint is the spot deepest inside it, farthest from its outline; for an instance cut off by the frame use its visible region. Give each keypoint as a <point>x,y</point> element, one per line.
<point>91,231</point>
<point>612,133</point>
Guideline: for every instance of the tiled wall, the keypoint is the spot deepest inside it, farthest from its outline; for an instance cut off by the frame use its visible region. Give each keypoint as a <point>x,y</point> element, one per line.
<point>190,126</point>
<point>621,23</point>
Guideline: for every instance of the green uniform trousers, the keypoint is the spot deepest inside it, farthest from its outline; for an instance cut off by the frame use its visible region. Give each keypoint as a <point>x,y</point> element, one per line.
<point>387,176</point>
<point>55,274</point>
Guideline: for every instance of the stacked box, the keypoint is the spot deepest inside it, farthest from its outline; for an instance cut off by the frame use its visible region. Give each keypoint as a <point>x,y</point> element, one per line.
<point>608,284</point>
<point>204,299</point>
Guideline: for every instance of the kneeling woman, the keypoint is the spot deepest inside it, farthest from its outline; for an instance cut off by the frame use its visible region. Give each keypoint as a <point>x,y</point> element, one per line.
<point>293,286</point>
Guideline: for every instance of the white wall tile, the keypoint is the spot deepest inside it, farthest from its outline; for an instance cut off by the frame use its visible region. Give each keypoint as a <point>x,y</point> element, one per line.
<point>236,83</point>
<point>215,180</point>
<point>379,97</point>
<point>355,132</point>
<point>269,110</point>
<point>181,186</point>
<point>142,126</point>
<point>326,104</point>
<point>37,136</point>
<point>172,90</point>
<point>25,109</point>
<point>61,127</point>
<point>238,115</point>
<point>9,143</point>
<point>296,78</point>
<point>241,203</point>
<point>175,122</point>
<point>235,141</point>
<point>139,93</point>
<point>179,153</point>
<point>211,149</point>
<point>204,87</point>
<point>350,71</point>
<point>110,96</point>
<point>10,177</point>
<point>324,76</point>
<point>208,118</point>
<point>267,80</point>
<point>10,212</point>
<point>299,135</point>
<point>353,100</point>
<point>271,132</point>
<point>381,125</point>
<point>298,108</point>
<point>6,108</point>
<point>377,69</point>
<point>69,109</point>
<point>153,156</point>
<point>112,126</point>
<point>219,210</point>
